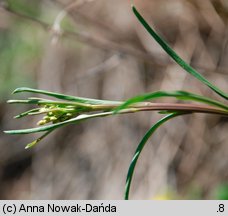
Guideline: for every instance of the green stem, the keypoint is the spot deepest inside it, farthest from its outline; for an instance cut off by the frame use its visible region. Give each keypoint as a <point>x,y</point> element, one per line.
<point>148,107</point>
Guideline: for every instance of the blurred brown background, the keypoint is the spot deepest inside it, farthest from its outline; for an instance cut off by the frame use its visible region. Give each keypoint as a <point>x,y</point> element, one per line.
<point>98,49</point>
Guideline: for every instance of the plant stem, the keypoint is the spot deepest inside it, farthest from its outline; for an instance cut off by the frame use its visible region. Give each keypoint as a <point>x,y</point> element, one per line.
<point>182,107</point>
<point>148,106</point>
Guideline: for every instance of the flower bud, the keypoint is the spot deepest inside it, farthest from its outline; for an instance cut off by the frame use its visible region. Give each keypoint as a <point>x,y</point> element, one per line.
<point>42,122</point>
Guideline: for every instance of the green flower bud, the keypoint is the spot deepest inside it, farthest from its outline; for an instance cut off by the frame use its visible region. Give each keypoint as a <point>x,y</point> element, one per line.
<point>69,115</point>
<point>46,118</point>
<point>53,118</point>
<point>42,122</point>
<point>50,114</point>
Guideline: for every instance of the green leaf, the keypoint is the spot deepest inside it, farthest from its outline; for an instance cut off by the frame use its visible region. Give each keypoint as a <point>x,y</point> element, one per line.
<point>27,113</point>
<point>140,148</point>
<point>57,125</point>
<point>65,97</point>
<point>176,57</point>
<point>49,102</point>
<point>181,95</point>
<point>32,144</point>
<point>23,101</point>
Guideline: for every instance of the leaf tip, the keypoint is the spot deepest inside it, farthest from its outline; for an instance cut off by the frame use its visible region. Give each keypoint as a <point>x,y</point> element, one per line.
<point>30,145</point>
<point>27,146</point>
<point>18,116</point>
<point>9,101</point>
<point>16,90</point>
<point>133,6</point>
<point>20,89</point>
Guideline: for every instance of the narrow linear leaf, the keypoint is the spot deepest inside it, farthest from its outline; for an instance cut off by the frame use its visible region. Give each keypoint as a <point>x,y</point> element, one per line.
<point>27,113</point>
<point>181,95</point>
<point>140,148</point>
<point>57,125</point>
<point>23,101</point>
<point>176,57</point>
<point>50,102</point>
<point>64,97</point>
<point>32,144</point>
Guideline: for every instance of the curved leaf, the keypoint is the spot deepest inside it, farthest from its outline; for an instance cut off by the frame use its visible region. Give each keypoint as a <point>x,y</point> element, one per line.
<point>64,97</point>
<point>32,144</point>
<point>57,125</point>
<point>27,113</point>
<point>181,95</point>
<point>176,57</point>
<point>140,148</point>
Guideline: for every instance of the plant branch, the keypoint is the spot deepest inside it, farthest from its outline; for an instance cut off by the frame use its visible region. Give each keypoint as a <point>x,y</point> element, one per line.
<point>181,108</point>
